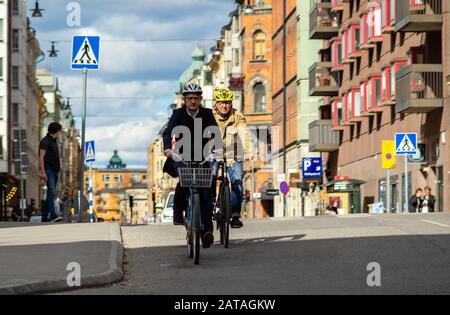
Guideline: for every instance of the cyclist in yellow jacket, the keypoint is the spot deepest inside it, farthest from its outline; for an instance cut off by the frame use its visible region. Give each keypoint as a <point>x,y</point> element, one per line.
<point>237,145</point>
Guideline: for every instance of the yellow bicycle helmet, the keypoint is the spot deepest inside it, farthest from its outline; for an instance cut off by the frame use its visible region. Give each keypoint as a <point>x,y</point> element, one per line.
<point>223,95</point>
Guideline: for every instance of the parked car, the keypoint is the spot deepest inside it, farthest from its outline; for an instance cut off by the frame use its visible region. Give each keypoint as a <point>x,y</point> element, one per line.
<point>166,215</point>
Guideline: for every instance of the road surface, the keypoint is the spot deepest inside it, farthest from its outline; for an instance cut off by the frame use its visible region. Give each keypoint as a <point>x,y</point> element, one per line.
<point>327,255</point>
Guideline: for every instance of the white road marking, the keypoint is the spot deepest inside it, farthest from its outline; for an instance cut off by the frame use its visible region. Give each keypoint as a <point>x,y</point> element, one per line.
<point>436,223</point>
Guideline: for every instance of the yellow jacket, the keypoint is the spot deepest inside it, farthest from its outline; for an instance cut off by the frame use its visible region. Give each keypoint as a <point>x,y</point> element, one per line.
<point>235,134</point>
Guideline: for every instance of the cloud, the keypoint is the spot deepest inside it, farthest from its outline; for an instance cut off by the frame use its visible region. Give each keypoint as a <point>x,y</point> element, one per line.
<point>145,70</point>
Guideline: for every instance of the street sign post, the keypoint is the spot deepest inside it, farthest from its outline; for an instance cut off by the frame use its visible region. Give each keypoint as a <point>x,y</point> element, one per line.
<point>406,144</point>
<point>312,168</point>
<point>284,188</point>
<point>85,56</point>
<point>89,153</point>
<point>389,162</point>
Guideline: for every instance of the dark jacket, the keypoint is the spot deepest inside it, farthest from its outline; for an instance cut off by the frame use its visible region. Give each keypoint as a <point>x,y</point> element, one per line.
<point>415,204</point>
<point>431,203</point>
<point>198,140</point>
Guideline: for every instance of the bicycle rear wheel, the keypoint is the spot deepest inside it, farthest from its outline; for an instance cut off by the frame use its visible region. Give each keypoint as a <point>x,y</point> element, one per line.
<point>226,216</point>
<point>196,227</point>
<point>189,232</point>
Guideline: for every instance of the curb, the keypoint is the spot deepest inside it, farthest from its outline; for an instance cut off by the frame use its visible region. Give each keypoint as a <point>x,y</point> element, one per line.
<point>113,275</point>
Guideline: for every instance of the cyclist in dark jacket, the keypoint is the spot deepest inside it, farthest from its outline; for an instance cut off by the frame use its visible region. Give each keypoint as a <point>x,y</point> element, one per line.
<point>192,128</point>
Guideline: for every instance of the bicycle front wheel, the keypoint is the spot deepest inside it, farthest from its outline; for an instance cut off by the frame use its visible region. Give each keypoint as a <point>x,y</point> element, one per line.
<point>196,227</point>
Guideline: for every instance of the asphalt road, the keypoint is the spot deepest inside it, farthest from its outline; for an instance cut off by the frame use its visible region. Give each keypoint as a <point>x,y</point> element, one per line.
<point>325,255</point>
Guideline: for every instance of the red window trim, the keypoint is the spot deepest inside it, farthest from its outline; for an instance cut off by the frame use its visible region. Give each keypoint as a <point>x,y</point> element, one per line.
<point>387,83</point>
<point>372,29</point>
<point>372,81</point>
<point>364,32</point>
<point>353,97</point>
<point>335,114</point>
<point>364,90</point>
<point>335,53</point>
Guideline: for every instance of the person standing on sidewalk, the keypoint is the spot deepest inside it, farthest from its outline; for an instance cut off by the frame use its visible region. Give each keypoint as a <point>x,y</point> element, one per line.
<point>50,166</point>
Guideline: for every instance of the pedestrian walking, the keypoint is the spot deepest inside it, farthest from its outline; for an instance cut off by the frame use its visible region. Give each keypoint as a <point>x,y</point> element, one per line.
<point>415,202</point>
<point>50,167</point>
<point>428,201</point>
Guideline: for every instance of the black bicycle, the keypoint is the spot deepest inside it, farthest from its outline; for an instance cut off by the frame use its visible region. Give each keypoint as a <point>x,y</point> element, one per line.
<point>194,176</point>
<point>223,203</point>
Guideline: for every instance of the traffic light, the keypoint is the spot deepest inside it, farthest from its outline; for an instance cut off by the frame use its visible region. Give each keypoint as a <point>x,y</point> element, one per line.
<point>247,196</point>
<point>154,195</point>
<point>131,201</point>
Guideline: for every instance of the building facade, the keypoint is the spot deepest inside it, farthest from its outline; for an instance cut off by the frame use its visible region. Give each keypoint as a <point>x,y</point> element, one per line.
<point>256,44</point>
<point>381,71</point>
<point>112,186</point>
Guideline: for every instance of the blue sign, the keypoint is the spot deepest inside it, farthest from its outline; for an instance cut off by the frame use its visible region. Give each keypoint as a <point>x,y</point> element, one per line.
<point>312,168</point>
<point>406,143</point>
<point>85,52</point>
<point>89,152</point>
<point>284,188</point>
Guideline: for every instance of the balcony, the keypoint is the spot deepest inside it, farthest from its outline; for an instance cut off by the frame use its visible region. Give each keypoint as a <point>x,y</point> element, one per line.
<point>323,23</point>
<point>322,81</point>
<point>423,17</point>
<point>323,137</point>
<point>419,88</point>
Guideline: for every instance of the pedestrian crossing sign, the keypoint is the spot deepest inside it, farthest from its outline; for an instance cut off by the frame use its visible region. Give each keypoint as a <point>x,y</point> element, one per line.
<point>406,143</point>
<point>85,52</point>
<point>89,152</point>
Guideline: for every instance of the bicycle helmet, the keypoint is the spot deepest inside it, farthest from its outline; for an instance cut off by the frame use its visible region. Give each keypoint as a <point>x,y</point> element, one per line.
<point>223,95</point>
<point>192,88</point>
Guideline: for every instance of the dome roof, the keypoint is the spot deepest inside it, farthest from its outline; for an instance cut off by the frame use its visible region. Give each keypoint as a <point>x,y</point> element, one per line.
<point>198,57</point>
<point>116,161</point>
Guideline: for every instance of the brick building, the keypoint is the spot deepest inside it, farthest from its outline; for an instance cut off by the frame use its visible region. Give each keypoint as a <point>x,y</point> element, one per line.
<point>382,70</point>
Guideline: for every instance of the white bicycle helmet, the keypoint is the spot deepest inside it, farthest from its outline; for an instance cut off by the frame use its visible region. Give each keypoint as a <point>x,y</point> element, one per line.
<point>192,88</point>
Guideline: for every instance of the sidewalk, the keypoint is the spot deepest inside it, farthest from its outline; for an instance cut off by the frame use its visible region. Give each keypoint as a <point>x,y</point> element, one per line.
<point>34,257</point>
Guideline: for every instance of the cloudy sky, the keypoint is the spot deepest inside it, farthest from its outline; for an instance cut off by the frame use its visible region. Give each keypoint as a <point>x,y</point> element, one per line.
<point>146,45</point>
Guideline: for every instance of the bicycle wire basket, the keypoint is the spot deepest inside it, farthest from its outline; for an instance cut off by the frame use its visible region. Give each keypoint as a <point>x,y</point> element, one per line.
<point>195,177</point>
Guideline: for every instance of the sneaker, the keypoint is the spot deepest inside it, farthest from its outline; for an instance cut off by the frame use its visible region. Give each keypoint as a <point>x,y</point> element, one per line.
<point>58,219</point>
<point>178,218</point>
<point>207,239</point>
<point>236,223</point>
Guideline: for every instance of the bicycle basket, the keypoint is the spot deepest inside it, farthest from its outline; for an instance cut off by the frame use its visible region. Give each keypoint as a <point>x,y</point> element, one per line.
<point>195,177</point>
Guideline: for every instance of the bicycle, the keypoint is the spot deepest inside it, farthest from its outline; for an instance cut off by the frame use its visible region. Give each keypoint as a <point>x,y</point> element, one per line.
<point>194,176</point>
<point>223,203</point>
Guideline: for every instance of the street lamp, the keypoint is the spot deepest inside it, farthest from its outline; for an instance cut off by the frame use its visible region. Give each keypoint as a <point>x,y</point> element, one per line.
<point>53,53</point>
<point>37,11</point>
<point>249,8</point>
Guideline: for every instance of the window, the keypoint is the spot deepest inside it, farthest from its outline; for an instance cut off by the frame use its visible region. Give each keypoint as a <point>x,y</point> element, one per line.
<point>336,53</point>
<point>1,147</point>
<point>364,30</point>
<point>374,93</point>
<point>259,92</point>
<point>136,178</point>
<point>15,114</point>
<point>2,108</point>
<point>2,23</point>
<point>386,84</point>
<point>337,109</point>
<point>396,67</point>
<point>106,178</point>
<point>374,23</point>
<point>15,7</point>
<point>347,107</point>
<point>15,77</point>
<point>388,12</point>
<point>354,39</point>
<point>344,46</point>
<point>364,98</point>
<point>354,103</point>
<point>15,40</point>
<point>117,179</point>
<point>1,68</point>
<point>208,80</point>
<point>259,46</point>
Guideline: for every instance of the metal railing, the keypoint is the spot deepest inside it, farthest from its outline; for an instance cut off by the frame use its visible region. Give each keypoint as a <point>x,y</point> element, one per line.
<point>323,23</point>
<point>323,137</point>
<point>322,81</point>
<point>419,88</point>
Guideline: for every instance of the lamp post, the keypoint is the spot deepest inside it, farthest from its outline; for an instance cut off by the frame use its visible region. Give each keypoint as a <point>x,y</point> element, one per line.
<point>284,104</point>
<point>37,11</point>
